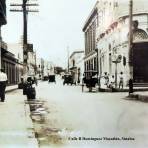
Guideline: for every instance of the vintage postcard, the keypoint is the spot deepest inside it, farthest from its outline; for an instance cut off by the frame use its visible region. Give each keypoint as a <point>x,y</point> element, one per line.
<point>73,73</point>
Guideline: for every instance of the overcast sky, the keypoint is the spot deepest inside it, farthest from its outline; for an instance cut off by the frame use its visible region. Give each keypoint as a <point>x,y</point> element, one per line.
<point>58,24</point>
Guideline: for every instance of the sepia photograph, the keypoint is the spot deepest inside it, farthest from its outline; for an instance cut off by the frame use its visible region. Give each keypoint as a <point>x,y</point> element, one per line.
<point>73,74</point>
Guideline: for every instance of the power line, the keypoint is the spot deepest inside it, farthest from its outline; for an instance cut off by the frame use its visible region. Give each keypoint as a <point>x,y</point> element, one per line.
<point>25,8</point>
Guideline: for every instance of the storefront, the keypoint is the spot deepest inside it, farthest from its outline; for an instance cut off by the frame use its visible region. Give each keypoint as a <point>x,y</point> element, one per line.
<point>11,67</point>
<point>140,64</point>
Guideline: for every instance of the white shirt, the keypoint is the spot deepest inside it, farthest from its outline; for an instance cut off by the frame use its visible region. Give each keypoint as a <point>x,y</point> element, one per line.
<point>3,77</point>
<point>112,80</point>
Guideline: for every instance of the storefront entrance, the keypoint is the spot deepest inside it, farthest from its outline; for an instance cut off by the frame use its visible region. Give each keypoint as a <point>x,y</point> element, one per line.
<point>140,62</point>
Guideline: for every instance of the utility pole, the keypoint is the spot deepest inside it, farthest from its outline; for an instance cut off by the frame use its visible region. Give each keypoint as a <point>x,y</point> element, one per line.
<point>25,40</point>
<point>35,63</point>
<point>68,58</point>
<point>97,60</point>
<point>25,9</point>
<point>0,49</point>
<point>130,39</point>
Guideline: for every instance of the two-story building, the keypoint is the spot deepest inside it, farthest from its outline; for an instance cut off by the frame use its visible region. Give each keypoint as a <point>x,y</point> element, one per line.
<point>76,65</point>
<point>90,32</point>
<point>112,39</point>
<point>11,64</point>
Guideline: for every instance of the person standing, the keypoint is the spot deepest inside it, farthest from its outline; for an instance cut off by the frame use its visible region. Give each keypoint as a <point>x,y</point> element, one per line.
<point>3,81</point>
<point>121,80</point>
<point>130,86</point>
<point>106,77</point>
<point>112,82</point>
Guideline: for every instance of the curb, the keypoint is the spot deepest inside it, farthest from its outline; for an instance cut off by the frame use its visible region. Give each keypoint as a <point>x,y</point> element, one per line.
<point>32,139</point>
<point>10,90</point>
<point>121,90</point>
<point>138,97</point>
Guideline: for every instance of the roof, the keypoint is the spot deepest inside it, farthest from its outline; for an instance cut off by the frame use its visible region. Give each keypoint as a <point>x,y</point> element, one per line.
<point>91,16</point>
<point>75,52</point>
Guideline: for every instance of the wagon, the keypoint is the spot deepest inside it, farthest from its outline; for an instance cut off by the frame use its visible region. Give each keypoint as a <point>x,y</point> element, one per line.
<point>68,79</point>
<point>51,78</point>
<point>90,83</point>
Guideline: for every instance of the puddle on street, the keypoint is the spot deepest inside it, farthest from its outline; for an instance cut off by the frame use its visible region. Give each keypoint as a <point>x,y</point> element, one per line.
<point>45,133</point>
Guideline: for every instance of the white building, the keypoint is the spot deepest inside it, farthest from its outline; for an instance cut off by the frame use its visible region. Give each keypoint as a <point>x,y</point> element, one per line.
<point>76,65</point>
<point>112,36</point>
<point>44,68</point>
<point>17,50</point>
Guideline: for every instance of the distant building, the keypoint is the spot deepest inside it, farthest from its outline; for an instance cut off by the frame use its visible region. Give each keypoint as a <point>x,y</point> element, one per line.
<point>76,65</point>
<point>44,68</point>
<point>31,63</point>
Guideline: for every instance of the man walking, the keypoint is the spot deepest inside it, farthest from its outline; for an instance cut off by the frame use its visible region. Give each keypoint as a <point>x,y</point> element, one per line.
<point>3,80</point>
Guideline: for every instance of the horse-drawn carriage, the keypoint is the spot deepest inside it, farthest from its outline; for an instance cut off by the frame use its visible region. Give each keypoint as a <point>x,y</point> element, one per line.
<point>51,78</point>
<point>90,81</point>
<point>68,79</point>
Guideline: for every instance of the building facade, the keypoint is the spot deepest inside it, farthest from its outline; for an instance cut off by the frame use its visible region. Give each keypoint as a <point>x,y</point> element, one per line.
<point>76,65</point>
<point>44,68</point>
<point>90,32</point>
<point>17,50</point>
<point>112,38</point>
<point>10,64</point>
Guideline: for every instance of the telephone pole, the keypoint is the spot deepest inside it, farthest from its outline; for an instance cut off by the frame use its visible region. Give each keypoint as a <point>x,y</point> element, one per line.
<point>25,9</point>
<point>131,39</point>
<point>68,58</point>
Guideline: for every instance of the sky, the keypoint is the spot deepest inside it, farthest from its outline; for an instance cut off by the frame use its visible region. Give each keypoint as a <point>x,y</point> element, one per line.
<point>56,27</point>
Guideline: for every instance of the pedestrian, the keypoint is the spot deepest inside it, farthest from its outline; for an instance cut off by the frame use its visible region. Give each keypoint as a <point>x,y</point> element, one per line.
<point>3,81</point>
<point>83,82</point>
<point>121,80</point>
<point>106,76</point>
<point>30,89</point>
<point>35,80</point>
<point>130,86</point>
<point>112,81</point>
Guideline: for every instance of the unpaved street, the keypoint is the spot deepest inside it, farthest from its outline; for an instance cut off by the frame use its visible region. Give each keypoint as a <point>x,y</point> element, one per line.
<point>75,119</point>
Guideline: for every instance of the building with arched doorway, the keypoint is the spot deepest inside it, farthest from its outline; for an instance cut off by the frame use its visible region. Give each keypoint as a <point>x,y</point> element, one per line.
<point>112,39</point>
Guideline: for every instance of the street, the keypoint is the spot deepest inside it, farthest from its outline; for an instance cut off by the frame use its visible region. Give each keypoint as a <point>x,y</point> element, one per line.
<point>55,48</point>
<point>74,118</point>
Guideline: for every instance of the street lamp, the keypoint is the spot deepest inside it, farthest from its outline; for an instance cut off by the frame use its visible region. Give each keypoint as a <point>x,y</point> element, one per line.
<point>98,67</point>
<point>96,50</point>
<point>116,60</point>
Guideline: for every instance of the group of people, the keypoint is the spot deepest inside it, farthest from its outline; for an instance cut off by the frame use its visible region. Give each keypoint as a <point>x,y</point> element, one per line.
<point>110,81</point>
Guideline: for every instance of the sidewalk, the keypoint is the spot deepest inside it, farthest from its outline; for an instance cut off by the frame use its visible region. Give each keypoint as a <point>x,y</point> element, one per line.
<point>11,88</point>
<point>125,89</point>
<point>16,128</point>
<point>140,96</point>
